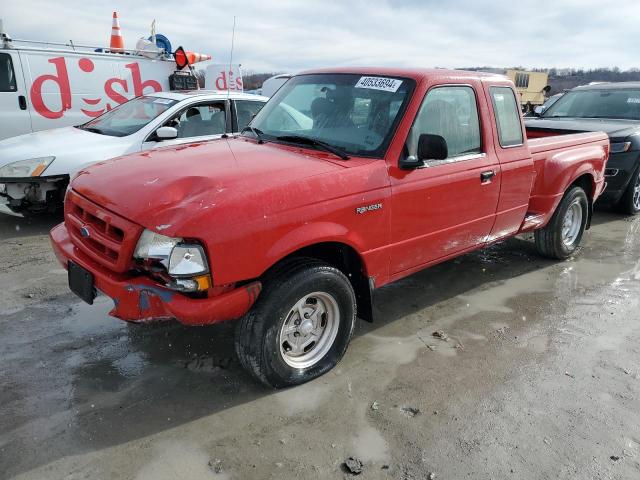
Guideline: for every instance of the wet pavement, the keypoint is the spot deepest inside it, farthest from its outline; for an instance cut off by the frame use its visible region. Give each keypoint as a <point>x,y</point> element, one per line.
<point>538,377</point>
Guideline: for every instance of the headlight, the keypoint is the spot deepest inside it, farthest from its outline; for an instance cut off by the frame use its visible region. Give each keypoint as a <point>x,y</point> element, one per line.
<point>186,263</point>
<point>620,147</point>
<point>153,246</point>
<point>26,168</point>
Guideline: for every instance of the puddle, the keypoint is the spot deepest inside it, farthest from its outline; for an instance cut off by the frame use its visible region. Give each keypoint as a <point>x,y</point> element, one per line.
<point>394,350</point>
<point>177,459</point>
<point>84,319</point>
<point>130,365</point>
<point>370,446</point>
<point>304,398</point>
<point>538,344</point>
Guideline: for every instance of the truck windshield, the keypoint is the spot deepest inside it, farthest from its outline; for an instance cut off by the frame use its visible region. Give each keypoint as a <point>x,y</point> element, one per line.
<point>597,103</point>
<point>355,114</point>
<point>129,117</point>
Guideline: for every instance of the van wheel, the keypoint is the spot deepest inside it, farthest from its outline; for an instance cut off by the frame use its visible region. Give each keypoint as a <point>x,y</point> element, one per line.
<point>630,202</point>
<point>563,234</point>
<point>300,326</point>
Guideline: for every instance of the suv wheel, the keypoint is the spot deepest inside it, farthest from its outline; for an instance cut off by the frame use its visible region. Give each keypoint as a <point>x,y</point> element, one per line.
<point>561,237</point>
<point>300,326</point>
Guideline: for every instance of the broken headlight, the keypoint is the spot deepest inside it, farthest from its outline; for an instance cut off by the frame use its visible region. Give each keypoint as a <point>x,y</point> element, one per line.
<point>26,168</point>
<point>185,263</point>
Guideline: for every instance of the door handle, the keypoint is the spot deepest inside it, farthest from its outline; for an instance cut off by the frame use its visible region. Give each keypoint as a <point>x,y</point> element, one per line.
<point>485,177</point>
<point>22,102</point>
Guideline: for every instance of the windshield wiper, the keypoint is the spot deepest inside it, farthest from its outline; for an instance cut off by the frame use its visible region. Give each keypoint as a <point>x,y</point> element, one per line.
<point>338,152</point>
<point>256,131</point>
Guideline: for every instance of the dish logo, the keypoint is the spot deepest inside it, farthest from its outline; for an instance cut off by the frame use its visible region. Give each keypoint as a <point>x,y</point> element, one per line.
<point>115,88</point>
<point>225,78</point>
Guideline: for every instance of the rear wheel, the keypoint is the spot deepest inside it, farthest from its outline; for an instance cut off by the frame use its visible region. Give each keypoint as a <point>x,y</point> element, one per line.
<point>630,201</point>
<point>561,237</point>
<point>300,326</point>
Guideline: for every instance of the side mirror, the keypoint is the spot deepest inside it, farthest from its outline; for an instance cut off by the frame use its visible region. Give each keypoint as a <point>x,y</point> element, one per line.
<point>430,147</point>
<point>166,133</point>
<point>539,110</point>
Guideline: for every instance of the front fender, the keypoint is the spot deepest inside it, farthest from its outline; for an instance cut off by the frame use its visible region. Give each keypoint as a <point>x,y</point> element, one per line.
<point>311,234</point>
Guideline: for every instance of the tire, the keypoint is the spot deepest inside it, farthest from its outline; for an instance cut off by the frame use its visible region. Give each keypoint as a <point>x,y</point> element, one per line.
<point>561,237</point>
<point>271,345</point>
<point>630,201</point>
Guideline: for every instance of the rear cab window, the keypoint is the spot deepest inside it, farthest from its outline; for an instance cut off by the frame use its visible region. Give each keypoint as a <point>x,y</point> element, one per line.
<point>7,74</point>
<point>507,113</point>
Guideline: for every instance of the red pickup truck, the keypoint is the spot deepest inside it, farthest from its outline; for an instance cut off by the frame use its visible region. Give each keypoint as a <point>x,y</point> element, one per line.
<point>347,180</point>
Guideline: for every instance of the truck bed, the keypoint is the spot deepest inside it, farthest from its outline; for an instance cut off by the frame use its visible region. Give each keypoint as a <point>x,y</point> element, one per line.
<point>562,141</point>
<point>559,161</point>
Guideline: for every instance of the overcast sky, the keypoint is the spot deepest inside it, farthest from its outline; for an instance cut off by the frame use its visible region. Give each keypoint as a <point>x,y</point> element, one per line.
<point>290,35</point>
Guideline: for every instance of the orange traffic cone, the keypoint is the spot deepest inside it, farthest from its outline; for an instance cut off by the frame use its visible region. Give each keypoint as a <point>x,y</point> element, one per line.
<point>117,42</point>
<point>194,57</point>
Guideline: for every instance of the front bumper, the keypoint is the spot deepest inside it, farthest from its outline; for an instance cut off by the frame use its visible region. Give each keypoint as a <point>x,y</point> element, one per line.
<point>140,299</point>
<point>19,196</point>
<point>622,165</point>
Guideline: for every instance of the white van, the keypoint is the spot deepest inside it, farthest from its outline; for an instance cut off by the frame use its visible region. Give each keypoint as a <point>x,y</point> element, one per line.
<point>45,85</point>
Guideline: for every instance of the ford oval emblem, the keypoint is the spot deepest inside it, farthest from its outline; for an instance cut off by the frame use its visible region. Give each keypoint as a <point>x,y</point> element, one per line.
<point>84,231</point>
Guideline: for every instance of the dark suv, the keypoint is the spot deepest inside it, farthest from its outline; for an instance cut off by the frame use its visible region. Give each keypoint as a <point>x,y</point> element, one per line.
<point>610,107</point>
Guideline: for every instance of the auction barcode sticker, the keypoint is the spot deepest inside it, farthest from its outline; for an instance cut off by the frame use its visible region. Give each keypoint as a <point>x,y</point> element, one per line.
<point>379,83</point>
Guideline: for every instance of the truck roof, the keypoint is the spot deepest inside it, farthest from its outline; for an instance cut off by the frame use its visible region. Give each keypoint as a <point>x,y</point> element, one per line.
<point>213,94</point>
<point>414,73</point>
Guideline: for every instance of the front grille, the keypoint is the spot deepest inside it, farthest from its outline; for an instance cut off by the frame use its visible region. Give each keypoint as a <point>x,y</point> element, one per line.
<point>105,237</point>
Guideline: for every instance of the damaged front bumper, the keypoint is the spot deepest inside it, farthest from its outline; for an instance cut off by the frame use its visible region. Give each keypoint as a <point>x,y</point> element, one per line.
<point>32,195</point>
<point>139,299</point>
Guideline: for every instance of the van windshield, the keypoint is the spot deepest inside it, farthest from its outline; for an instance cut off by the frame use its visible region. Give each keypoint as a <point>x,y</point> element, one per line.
<point>129,117</point>
<point>355,114</point>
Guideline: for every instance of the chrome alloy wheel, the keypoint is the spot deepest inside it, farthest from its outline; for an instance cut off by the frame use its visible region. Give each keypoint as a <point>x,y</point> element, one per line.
<point>309,330</point>
<point>636,193</point>
<point>572,223</point>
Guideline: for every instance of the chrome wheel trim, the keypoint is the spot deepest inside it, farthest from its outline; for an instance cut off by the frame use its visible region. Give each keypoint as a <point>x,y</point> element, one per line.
<point>572,223</point>
<point>636,193</point>
<point>309,330</point>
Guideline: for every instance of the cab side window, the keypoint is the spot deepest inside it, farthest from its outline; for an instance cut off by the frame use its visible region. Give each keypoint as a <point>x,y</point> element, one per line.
<point>200,120</point>
<point>246,110</point>
<point>507,114</point>
<point>7,76</point>
<point>452,113</point>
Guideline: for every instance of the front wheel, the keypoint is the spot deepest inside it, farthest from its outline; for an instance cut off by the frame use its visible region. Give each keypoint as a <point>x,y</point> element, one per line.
<point>630,201</point>
<point>561,237</point>
<point>300,326</point>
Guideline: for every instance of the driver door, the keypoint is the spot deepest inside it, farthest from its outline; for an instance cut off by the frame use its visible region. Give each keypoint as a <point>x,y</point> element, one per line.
<point>446,206</point>
<point>196,123</point>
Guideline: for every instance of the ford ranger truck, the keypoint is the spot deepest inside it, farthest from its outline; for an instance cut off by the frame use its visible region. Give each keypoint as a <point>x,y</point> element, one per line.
<point>347,180</point>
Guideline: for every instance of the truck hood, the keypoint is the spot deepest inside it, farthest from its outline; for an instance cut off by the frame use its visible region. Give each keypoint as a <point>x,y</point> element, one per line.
<point>615,128</point>
<point>72,147</point>
<point>164,188</point>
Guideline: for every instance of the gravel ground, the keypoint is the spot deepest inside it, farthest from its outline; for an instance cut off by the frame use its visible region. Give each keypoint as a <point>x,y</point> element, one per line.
<point>538,377</point>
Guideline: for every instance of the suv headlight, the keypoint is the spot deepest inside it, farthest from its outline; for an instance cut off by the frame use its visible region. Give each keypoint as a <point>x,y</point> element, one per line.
<point>32,167</point>
<point>619,147</point>
<point>185,262</point>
